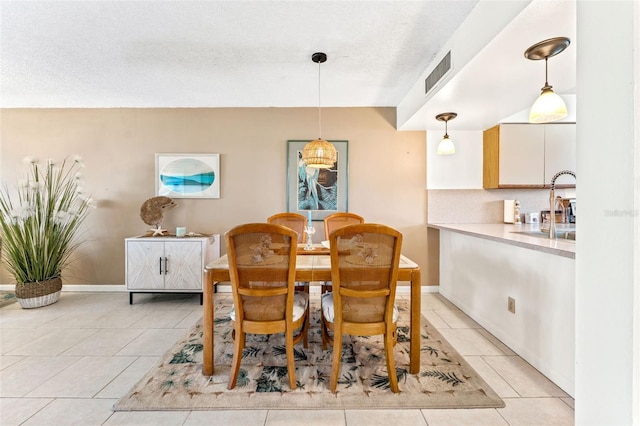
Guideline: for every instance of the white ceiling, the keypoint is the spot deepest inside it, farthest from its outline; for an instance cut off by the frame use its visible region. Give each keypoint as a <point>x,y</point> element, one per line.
<point>250,54</point>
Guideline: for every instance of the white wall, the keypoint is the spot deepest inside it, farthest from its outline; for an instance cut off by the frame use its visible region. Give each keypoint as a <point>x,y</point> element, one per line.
<point>462,170</point>
<point>608,189</point>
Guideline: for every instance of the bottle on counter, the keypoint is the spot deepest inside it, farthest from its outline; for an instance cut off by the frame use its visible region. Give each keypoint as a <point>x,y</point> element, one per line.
<point>516,212</point>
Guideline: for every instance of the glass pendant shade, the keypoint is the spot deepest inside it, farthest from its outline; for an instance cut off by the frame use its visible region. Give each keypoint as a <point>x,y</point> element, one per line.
<point>548,107</point>
<point>446,146</point>
<point>319,154</point>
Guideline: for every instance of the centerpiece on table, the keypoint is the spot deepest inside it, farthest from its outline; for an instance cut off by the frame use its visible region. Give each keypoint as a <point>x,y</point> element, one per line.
<point>39,225</point>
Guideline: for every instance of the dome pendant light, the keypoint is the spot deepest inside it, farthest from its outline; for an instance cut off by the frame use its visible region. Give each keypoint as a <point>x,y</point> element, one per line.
<point>549,106</point>
<point>446,146</point>
<point>319,153</point>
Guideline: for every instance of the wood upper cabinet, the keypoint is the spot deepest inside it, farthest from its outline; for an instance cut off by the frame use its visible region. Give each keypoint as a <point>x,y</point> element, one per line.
<point>527,155</point>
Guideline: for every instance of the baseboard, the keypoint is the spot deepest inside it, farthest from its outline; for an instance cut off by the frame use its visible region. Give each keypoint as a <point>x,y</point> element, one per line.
<point>222,288</point>
<point>81,287</point>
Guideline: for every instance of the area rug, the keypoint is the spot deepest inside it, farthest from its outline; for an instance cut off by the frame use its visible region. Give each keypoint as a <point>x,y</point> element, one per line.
<point>445,379</point>
<point>7,298</point>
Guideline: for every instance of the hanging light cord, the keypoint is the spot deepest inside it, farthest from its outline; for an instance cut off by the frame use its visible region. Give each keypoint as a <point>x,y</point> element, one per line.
<point>319,109</point>
<point>546,71</point>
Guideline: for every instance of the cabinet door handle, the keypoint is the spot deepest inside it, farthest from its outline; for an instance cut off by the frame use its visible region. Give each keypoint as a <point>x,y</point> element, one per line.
<point>160,265</point>
<point>166,265</point>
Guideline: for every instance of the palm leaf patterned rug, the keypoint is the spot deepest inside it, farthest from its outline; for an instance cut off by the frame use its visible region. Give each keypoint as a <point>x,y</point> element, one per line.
<point>445,379</point>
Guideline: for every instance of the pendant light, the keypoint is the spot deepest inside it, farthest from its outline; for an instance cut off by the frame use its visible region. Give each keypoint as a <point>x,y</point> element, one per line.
<point>319,153</point>
<point>549,106</point>
<point>446,146</point>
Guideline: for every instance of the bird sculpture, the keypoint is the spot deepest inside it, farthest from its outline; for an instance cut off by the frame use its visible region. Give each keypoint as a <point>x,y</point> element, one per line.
<point>152,212</point>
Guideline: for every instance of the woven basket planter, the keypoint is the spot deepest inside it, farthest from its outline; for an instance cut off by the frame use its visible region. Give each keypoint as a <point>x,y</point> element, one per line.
<point>38,294</point>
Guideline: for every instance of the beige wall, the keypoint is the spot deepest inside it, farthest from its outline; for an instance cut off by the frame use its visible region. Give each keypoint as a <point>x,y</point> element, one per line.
<point>386,169</point>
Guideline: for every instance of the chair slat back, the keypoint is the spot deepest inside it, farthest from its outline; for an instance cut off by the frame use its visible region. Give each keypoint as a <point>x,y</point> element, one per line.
<point>364,270</point>
<point>262,263</point>
<point>294,221</point>
<point>339,220</point>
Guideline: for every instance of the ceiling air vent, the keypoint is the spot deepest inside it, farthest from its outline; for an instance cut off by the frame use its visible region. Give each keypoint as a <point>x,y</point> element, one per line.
<point>438,72</point>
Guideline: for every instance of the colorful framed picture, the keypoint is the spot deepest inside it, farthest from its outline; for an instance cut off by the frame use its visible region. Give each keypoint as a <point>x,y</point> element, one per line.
<point>318,191</point>
<point>188,175</point>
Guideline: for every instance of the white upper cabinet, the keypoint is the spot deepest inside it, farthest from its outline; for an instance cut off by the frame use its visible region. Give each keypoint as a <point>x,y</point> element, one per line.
<point>528,155</point>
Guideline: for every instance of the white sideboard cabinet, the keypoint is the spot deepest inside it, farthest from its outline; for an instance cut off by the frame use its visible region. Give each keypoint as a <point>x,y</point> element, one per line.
<point>528,155</point>
<point>168,264</point>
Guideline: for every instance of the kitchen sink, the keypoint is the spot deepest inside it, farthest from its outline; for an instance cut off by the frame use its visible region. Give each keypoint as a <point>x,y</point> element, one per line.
<point>568,233</point>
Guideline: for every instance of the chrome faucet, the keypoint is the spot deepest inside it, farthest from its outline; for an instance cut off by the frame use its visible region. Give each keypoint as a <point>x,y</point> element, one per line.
<point>552,202</point>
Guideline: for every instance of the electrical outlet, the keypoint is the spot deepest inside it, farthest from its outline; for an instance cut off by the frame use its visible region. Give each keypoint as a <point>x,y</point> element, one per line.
<point>511,305</point>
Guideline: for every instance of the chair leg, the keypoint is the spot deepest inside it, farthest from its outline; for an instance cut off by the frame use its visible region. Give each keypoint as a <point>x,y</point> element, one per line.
<point>291,368</point>
<point>337,354</point>
<point>305,330</point>
<point>389,339</point>
<point>237,356</point>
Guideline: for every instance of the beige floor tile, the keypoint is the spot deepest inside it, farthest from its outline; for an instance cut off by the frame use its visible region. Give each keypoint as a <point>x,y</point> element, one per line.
<point>78,318</point>
<point>54,342</point>
<point>468,341</point>
<point>537,412</point>
<point>570,402</point>
<point>12,338</point>
<point>115,321</point>
<point>188,321</point>
<point>28,318</point>
<point>525,379</point>
<point>83,379</point>
<point>224,418</point>
<point>493,379</point>
<point>15,411</point>
<point>435,319</point>
<point>385,417</point>
<point>490,337</point>
<point>306,417</point>
<point>162,318</point>
<point>456,318</point>
<point>464,417</point>
<point>103,300</point>
<point>73,411</point>
<point>7,360</point>
<point>153,342</point>
<point>147,418</point>
<point>104,342</point>
<point>26,375</point>
<point>120,385</point>
<point>433,301</point>
<point>118,318</point>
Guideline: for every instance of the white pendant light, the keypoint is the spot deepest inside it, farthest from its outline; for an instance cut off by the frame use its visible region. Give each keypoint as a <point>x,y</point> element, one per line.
<point>319,153</point>
<point>549,106</point>
<point>446,146</point>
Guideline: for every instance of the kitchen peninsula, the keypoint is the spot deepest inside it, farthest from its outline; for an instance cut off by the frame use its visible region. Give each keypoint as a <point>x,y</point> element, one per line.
<point>484,266</point>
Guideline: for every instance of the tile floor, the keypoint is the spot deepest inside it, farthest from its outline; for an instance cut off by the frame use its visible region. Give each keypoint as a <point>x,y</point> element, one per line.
<point>68,363</point>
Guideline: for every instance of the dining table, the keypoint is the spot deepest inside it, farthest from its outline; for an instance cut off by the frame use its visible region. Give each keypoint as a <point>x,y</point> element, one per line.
<point>312,266</point>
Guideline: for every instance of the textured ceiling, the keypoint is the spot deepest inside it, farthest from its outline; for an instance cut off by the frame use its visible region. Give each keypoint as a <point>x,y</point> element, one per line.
<point>257,53</point>
<point>218,53</point>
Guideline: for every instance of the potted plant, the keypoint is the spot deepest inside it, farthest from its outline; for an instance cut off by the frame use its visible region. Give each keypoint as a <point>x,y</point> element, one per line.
<point>39,224</point>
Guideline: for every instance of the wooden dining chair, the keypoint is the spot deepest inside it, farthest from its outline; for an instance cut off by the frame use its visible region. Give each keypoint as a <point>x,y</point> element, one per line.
<point>262,266</point>
<point>364,270</point>
<point>338,220</point>
<point>297,222</point>
<point>294,221</point>
<point>331,223</point>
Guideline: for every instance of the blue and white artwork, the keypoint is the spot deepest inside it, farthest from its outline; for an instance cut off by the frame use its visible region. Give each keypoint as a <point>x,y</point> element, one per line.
<point>188,176</point>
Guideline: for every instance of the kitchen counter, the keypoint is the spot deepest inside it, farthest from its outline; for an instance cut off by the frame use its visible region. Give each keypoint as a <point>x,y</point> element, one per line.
<point>519,287</point>
<point>508,234</point>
